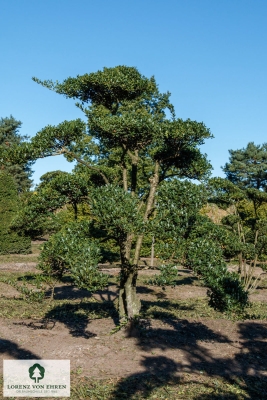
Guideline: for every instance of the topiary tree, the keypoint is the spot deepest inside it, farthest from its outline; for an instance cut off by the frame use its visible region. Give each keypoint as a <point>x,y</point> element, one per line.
<point>10,242</point>
<point>133,147</point>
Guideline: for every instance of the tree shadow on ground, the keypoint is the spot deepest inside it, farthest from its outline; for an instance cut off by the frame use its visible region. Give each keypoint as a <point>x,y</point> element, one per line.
<point>76,316</point>
<point>69,293</point>
<point>15,351</point>
<point>144,290</point>
<point>107,294</point>
<point>186,280</point>
<point>245,368</point>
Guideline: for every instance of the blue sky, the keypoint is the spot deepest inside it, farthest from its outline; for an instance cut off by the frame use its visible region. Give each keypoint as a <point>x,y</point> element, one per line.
<point>210,54</point>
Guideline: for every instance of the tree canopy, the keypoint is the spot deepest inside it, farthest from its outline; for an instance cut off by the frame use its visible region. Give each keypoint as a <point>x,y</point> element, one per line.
<point>247,167</point>
<point>9,137</point>
<point>133,143</point>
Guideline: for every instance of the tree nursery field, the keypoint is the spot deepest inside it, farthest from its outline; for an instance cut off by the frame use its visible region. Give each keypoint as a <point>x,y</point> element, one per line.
<point>144,271</point>
<point>180,349</point>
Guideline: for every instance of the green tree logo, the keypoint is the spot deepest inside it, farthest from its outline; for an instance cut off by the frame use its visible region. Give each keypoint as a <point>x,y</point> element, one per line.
<point>36,372</point>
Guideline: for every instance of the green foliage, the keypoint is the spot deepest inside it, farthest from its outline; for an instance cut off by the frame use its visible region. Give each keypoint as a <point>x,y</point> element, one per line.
<point>247,167</point>
<point>9,138</point>
<point>103,87</point>
<point>219,234</point>
<point>36,294</point>
<point>10,242</point>
<point>226,292</point>
<point>246,220</point>
<point>129,141</point>
<point>70,250</point>
<point>38,216</point>
<point>68,188</point>
<point>167,276</point>
<point>224,193</point>
<point>116,211</point>
<point>177,206</point>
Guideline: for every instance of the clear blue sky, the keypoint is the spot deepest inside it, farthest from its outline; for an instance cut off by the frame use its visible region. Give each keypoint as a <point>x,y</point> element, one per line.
<point>210,54</point>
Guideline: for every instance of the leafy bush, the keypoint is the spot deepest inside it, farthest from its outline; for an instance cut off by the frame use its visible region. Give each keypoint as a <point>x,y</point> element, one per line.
<point>225,238</point>
<point>226,291</point>
<point>167,276</point>
<point>71,250</point>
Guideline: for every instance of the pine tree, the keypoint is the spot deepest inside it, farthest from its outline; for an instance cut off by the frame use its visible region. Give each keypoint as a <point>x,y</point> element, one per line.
<point>9,136</point>
<point>247,167</point>
<point>10,242</point>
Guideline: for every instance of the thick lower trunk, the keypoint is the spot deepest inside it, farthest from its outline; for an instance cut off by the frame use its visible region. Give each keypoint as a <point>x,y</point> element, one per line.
<point>129,304</point>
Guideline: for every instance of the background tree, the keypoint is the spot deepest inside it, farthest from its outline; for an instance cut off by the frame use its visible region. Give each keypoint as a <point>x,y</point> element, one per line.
<point>10,242</point>
<point>247,167</point>
<point>71,188</point>
<point>245,220</point>
<point>40,213</point>
<point>9,136</point>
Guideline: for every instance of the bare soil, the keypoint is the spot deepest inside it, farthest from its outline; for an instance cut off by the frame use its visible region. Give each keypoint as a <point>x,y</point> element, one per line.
<point>167,345</point>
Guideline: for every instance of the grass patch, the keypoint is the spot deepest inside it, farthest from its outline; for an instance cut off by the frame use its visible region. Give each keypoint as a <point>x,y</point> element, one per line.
<point>57,309</point>
<point>146,386</point>
<point>22,258</point>
<point>89,307</point>
<point>197,307</point>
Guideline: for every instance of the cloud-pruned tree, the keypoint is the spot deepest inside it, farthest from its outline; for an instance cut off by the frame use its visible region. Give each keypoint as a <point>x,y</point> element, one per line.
<point>134,143</point>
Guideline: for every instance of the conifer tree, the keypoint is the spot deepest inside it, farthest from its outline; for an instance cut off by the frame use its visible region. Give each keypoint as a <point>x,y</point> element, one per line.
<point>10,242</point>
<point>9,137</point>
<point>247,167</point>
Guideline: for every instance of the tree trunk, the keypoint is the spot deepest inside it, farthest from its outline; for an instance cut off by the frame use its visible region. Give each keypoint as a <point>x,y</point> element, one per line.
<point>129,304</point>
<point>154,182</point>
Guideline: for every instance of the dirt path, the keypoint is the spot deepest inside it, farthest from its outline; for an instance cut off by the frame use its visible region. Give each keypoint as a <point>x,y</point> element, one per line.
<point>213,347</point>
<point>168,345</point>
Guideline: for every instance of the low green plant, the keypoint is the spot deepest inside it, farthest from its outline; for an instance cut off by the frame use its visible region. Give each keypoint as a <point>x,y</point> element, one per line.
<point>70,250</point>
<point>167,276</point>
<point>225,289</point>
<point>35,294</point>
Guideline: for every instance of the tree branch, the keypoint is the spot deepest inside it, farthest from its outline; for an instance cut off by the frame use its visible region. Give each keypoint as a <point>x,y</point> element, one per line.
<point>87,165</point>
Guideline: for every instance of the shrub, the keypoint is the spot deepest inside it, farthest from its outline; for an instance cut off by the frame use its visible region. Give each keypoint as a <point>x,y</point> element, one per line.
<point>71,250</point>
<point>226,291</point>
<point>167,276</point>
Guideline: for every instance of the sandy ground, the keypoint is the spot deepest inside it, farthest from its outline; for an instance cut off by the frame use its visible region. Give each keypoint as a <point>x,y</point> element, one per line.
<point>170,346</point>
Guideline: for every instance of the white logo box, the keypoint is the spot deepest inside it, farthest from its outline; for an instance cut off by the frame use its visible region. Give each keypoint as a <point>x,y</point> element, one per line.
<point>36,378</point>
